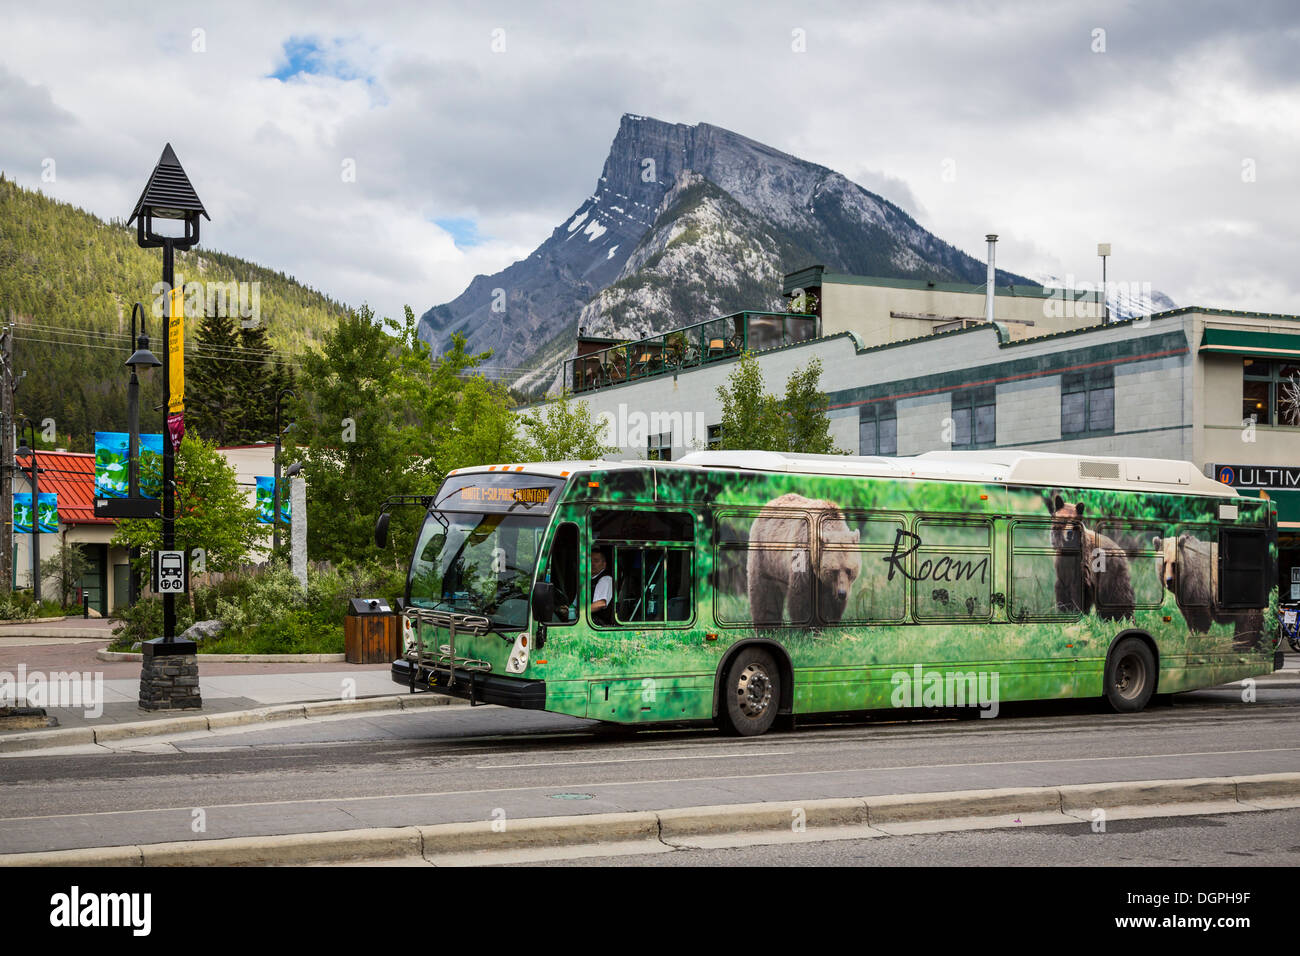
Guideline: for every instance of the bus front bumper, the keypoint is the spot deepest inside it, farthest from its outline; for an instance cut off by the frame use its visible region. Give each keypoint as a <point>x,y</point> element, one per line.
<point>474,686</point>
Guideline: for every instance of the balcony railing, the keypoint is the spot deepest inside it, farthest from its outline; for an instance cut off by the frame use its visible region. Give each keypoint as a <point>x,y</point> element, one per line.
<point>688,347</point>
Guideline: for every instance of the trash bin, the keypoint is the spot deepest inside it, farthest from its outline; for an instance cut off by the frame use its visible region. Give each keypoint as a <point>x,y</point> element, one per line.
<point>370,633</point>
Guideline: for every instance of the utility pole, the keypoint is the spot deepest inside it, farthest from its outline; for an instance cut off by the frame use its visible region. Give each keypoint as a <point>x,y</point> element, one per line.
<point>7,386</point>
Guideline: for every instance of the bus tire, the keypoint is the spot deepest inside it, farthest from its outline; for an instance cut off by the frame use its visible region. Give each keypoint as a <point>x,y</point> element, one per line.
<point>1130,676</point>
<point>751,693</point>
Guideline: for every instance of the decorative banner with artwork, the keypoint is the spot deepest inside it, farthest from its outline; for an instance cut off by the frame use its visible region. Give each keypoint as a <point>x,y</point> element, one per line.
<point>47,512</point>
<point>266,500</point>
<point>111,465</point>
<point>176,368</point>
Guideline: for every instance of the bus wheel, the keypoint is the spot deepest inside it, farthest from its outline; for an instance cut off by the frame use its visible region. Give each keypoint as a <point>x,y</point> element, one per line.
<point>751,693</point>
<point>1130,676</point>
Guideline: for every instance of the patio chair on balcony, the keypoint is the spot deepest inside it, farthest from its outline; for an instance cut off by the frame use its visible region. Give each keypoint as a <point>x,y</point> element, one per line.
<point>642,365</point>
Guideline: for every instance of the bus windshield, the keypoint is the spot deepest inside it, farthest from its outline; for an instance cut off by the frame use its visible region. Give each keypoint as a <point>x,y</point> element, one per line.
<point>479,546</point>
<point>477,564</point>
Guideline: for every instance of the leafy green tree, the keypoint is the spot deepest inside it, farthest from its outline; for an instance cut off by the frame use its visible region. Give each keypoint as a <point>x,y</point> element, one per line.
<point>807,426</point>
<point>484,429</point>
<point>212,512</point>
<point>751,419</point>
<point>66,568</point>
<point>564,430</point>
<point>379,415</point>
<point>754,419</point>
<point>375,415</point>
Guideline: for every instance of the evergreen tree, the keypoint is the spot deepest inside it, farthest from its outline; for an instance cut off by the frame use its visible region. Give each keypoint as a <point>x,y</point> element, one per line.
<point>68,281</point>
<point>257,405</point>
<point>212,392</point>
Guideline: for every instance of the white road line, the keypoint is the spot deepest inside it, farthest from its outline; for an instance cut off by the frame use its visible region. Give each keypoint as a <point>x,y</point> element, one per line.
<point>642,783</point>
<point>583,763</point>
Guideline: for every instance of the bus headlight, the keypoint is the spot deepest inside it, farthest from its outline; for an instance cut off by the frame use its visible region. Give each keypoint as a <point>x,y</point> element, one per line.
<point>517,663</point>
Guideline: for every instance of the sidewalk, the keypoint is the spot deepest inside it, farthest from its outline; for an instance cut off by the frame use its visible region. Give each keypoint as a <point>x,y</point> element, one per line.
<point>15,634</point>
<point>224,685</point>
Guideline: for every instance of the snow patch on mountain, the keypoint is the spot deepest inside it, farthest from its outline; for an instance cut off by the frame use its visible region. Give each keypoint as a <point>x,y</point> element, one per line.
<point>1124,299</point>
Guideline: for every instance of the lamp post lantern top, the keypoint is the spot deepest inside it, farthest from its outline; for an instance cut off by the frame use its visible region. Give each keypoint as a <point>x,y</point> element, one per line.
<point>168,195</point>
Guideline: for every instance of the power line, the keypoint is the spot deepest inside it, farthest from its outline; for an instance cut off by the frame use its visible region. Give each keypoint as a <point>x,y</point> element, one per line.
<point>194,352</point>
<point>125,338</point>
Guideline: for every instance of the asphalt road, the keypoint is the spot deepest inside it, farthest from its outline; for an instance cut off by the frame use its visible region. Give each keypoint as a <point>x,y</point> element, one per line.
<point>461,764</point>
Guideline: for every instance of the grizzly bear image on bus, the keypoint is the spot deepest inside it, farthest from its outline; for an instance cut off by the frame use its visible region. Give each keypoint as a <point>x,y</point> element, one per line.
<point>780,579</point>
<point>1091,569</point>
<point>1189,569</point>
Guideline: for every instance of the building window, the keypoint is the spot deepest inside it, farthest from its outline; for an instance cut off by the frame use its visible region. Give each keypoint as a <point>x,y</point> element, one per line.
<point>1088,402</point>
<point>1271,392</point>
<point>714,437</point>
<point>660,447</point>
<point>974,418</point>
<point>878,429</point>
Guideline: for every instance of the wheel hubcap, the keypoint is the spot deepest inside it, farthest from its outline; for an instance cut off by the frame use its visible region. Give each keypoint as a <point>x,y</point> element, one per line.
<point>1130,677</point>
<point>754,691</point>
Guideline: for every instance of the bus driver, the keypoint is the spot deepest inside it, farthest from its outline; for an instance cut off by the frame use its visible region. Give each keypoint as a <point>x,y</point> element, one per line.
<point>602,588</point>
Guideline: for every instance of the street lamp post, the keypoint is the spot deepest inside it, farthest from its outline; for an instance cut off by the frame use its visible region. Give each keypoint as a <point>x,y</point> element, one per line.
<point>275,481</point>
<point>24,451</point>
<point>141,359</point>
<point>169,669</point>
<point>168,195</point>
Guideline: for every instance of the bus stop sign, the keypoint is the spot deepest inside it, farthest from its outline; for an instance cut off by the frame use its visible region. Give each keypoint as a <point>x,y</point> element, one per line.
<point>169,575</point>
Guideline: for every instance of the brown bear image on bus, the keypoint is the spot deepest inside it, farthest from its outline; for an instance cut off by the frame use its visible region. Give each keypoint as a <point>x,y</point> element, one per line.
<point>780,579</point>
<point>1110,590</point>
<point>1189,569</point>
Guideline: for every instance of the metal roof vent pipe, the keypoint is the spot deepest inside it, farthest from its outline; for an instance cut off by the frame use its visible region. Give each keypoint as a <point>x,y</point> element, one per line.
<point>988,290</point>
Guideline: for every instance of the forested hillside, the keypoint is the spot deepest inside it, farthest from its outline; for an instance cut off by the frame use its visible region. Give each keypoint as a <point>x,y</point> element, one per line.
<point>68,281</point>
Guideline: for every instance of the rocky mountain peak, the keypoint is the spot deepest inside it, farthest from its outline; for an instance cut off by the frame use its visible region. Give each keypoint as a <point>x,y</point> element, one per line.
<point>684,223</point>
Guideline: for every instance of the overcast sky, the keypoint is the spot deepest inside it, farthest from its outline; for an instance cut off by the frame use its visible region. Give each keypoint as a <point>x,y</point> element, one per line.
<point>1171,130</point>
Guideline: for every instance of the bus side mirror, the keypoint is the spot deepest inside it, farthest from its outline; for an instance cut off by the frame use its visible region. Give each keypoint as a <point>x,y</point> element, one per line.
<point>543,601</point>
<point>381,530</point>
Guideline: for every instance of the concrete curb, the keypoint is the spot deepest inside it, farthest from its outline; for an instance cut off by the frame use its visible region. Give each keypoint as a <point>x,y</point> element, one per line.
<point>192,723</point>
<point>105,655</point>
<point>880,816</point>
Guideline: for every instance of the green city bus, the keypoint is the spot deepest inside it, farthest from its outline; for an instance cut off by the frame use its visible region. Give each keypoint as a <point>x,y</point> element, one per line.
<point>747,585</point>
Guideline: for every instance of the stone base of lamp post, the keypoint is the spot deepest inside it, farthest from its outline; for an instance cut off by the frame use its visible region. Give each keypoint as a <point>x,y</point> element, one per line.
<point>169,675</point>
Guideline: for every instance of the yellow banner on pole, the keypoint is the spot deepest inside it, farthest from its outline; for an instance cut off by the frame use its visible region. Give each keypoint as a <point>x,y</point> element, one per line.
<point>176,350</point>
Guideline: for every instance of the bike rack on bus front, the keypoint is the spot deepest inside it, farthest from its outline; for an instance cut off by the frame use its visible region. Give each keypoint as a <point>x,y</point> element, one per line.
<point>464,623</point>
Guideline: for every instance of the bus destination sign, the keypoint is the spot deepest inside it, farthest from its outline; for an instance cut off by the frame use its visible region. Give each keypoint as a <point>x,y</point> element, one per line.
<point>479,493</point>
<point>499,492</point>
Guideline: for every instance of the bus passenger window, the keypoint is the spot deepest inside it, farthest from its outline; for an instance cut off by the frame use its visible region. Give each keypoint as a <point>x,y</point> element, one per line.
<point>1046,573</point>
<point>652,585</point>
<point>951,569</point>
